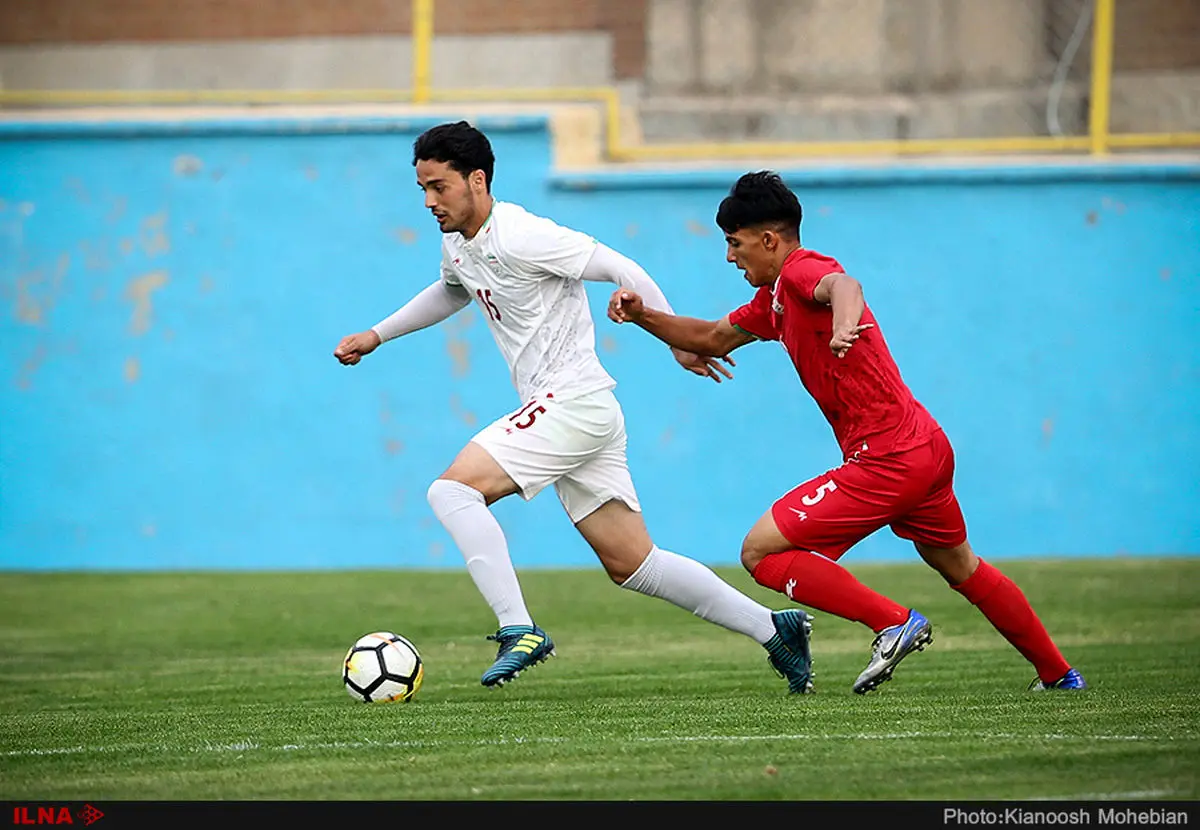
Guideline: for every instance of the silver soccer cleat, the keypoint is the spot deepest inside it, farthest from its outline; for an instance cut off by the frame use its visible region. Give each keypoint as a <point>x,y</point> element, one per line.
<point>891,646</point>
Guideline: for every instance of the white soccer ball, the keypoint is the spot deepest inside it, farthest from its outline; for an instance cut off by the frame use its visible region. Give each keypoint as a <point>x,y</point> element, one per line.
<point>382,667</point>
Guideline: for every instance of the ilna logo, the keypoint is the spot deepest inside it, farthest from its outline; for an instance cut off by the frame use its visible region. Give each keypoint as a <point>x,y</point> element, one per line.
<point>85,815</point>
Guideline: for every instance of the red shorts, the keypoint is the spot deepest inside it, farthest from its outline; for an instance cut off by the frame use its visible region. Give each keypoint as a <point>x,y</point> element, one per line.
<point>911,490</point>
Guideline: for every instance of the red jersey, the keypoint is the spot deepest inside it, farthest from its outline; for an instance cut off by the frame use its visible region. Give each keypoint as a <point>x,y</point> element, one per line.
<point>862,394</point>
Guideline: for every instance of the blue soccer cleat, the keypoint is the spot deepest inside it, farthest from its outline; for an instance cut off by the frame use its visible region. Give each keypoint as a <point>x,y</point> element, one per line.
<point>521,647</point>
<point>788,651</point>
<point>891,646</point>
<point>1071,681</point>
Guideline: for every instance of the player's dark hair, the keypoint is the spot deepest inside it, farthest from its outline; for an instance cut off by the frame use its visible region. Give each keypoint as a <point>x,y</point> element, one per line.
<point>760,199</point>
<point>459,145</point>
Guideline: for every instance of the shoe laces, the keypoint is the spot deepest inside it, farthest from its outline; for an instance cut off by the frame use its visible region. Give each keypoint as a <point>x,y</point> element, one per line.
<point>877,643</point>
<point>507,641</point>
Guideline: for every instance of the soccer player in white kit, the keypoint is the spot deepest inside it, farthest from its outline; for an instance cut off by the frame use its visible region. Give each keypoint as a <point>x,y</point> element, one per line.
<point>525,272</point>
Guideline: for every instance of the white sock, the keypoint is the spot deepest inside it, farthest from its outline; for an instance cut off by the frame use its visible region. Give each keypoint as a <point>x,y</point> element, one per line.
<point>463,511</point>
<point>694,587</point>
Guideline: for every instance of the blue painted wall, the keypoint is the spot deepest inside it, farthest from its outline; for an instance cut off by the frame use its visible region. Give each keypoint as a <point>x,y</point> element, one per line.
<point>172,294</point>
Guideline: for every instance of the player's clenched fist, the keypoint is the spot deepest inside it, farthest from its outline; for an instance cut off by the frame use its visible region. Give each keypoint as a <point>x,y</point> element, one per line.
<point>625,306</point>
<point>356,346</point>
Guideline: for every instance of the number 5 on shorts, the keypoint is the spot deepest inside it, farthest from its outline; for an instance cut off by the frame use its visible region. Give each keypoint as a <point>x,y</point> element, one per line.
<point>827,487</point>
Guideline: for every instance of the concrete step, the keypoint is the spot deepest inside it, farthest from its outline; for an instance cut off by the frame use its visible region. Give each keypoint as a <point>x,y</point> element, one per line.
<point>976,114</point>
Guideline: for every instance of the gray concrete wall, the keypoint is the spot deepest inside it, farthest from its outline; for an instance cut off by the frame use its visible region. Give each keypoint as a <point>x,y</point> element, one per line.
<point>572,59</point>
<point>843,46</point>
<point>782,70</point>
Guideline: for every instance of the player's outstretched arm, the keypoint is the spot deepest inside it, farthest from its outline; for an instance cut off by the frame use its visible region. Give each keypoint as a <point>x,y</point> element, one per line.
<point>711,338</point>
<point>608,265</point>
<point>844,295</point>
<point>434,304</point>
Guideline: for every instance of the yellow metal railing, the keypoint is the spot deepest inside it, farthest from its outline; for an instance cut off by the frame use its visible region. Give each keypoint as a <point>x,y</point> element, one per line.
<point>1101,97</point>
<point>1098,141</point>
<point>422,48</point>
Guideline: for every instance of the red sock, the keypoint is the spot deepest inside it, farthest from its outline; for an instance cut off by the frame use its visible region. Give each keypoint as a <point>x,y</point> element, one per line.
<point>1005,606</point>
<point>811,579</point>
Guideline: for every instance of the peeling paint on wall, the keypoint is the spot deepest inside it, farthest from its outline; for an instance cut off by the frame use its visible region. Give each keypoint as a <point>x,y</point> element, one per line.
<point>456,346</point>
<point>119,205</point>
<point>139,291</point>
<point>154,235</point>
<point>29,308</point>
<point>95,254</point>
<point>464,415</point>
<point>36,296</point>
<point>187,165</point>
<point>1047,431</point>
<point>78,190</point>
<point>31,365</point>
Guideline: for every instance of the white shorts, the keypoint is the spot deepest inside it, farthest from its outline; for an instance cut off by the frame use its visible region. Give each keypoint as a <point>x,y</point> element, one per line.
<point>579,445</point>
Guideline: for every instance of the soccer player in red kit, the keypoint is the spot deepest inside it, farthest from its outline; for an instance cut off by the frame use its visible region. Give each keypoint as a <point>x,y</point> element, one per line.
<point>898,465</point>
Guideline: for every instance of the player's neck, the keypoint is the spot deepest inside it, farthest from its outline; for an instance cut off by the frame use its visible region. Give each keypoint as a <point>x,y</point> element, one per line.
<point>482,217</point>
<point>782,255</point>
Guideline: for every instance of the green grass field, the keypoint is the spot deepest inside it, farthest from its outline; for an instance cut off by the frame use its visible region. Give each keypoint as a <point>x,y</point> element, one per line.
<point>227,686</point>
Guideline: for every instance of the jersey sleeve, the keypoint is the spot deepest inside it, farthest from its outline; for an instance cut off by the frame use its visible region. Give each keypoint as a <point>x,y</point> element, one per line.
<point>800,278</point>
<point>448,275</point>
<point>545,248</point>
<point>755,317</point>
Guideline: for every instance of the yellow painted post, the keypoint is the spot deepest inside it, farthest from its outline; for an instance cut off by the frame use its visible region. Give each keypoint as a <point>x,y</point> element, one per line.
<point>1101,93</point>
<point>612,124</point>
<point>422,41</point>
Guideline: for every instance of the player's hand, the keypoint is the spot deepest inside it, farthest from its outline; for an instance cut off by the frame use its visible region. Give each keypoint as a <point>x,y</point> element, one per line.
<point>625,306</point>
<point>845,336</point>
<point>356,346</point>
<point>709,367</point>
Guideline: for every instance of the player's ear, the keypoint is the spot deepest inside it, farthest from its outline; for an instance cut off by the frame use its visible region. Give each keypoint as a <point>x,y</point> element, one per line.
<point>478,181</point>
<point>770,239</point>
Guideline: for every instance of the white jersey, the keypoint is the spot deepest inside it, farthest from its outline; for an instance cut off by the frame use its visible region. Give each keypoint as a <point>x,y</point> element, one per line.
<point>524,273</point>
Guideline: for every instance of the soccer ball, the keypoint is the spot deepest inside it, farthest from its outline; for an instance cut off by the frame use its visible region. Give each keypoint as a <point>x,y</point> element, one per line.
<point>382,667</point>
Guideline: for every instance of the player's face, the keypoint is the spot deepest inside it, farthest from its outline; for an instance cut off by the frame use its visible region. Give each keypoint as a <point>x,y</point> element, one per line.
<point>753,253</point>
<point>453,199</point>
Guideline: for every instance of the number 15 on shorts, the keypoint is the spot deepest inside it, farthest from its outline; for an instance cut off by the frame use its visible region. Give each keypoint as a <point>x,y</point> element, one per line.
<point>526,416</point>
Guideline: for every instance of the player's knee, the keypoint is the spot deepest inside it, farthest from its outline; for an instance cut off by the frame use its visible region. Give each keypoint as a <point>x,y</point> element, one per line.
<point>444,495</point>
<point>437,492</point>
<point>752,553</point>
<point>622,561</point>
<point>955,564</point>
<point>618,572</point>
